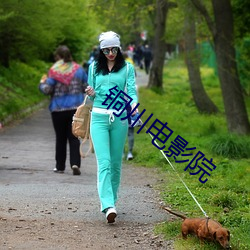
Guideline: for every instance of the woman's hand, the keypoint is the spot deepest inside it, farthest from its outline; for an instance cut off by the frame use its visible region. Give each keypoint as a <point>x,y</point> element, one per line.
<point>43,79</point>
<point>90,91</point>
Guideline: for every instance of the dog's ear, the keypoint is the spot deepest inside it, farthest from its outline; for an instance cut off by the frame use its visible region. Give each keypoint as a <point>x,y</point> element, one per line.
<point>214,235</point>
<point>228,237</point>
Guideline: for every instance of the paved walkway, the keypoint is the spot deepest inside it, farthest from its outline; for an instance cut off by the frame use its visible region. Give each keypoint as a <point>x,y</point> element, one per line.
<point>27,158</point>
<point>141,78</point>
<point>26,163</point>
<point>30,190</point>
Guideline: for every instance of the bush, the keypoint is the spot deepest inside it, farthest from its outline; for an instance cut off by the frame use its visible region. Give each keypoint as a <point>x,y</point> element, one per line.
<point>224,200</point>
<point>230,146</point>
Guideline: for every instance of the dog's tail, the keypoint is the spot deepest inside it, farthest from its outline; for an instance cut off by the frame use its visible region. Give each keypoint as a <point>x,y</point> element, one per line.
<point>175,213</point>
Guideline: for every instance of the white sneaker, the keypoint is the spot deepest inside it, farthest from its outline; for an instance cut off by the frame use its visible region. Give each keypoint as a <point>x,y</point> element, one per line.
<point>111,214</point>
<point>130,156</point>
<point>58,171</point>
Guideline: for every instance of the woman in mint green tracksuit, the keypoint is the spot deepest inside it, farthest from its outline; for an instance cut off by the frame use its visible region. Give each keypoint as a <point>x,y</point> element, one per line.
<point>109,132</point>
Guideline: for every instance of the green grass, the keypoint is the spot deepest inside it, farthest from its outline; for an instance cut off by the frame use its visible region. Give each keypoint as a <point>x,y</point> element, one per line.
<point>225,196</point>
<point>19,87</point>
<point>230,146</point>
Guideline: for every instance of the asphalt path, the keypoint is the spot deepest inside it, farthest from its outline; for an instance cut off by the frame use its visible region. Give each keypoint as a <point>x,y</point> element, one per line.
<point>26,164</point>
<point>31,190</point>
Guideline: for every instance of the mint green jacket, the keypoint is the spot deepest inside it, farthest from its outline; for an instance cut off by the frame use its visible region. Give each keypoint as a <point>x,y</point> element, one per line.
<point>102,84</point>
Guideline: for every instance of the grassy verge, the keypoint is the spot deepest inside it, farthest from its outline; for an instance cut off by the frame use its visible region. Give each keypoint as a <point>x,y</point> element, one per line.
<point>225,196</point>
<point>19,88</point>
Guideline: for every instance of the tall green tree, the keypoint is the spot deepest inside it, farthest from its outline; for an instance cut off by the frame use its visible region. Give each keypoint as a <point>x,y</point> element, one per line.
<point>159,45</point>
<point>202,101</point>
<point>28,33</point>
<point>221,27</point>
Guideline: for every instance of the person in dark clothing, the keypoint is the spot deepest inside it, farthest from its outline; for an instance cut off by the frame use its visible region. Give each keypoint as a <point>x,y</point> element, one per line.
<point>65,84</point>
<point>138,56</point>
<point>147,54</point>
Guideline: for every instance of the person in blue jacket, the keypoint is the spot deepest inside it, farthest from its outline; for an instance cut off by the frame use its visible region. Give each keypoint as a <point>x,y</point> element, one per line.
<point>108,132</point>
<point>65,83</point>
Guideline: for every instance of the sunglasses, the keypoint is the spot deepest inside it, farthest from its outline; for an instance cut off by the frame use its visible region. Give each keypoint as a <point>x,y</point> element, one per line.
<point>106,51</point>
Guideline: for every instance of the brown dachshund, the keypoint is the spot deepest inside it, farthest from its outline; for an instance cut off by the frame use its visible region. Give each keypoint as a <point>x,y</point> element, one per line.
<point>204,228</point>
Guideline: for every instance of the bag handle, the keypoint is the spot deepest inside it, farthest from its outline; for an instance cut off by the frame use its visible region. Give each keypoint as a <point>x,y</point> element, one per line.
<point>91,148</point>
<point>85,99</point>
<point>85,139</point>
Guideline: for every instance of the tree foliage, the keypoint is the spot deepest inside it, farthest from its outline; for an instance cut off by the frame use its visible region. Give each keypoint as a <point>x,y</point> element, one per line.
<point>242,34</point>
<point>28,33</point>
<point>32,30</point>
<point>241,18</point>
<point>126,17</point>
<point>175,25</point>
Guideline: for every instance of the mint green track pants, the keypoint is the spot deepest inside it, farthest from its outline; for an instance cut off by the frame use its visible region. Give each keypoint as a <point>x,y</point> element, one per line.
<point>108,139</point>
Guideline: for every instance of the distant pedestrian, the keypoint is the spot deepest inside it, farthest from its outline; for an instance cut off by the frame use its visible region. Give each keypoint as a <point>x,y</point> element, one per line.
<point>138,55</point>
<point>147,54</point>
<point>65,84</point>
<point>109,132</point>
<point>93,55</point>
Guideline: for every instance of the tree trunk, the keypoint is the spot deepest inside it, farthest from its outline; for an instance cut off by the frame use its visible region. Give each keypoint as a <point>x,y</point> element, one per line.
<point>223,38</point>
<point>159,47</point>
<point>201,99</point>
<point>235,108</point>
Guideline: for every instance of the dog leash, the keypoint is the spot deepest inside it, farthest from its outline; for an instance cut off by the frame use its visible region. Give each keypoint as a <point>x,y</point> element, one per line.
<point>198,204</point>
